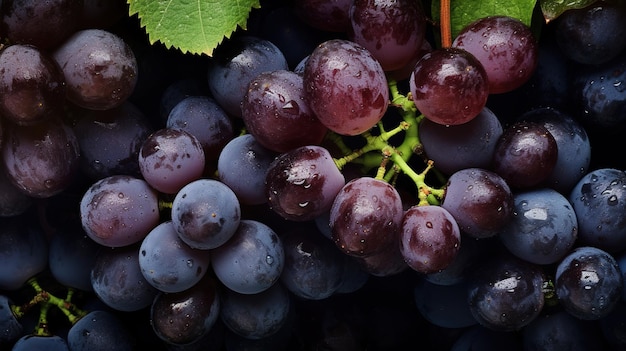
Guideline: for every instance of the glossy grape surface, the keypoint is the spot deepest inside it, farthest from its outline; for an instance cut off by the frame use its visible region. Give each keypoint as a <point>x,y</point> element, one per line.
<point>449,86</point>
<point>346,86</point>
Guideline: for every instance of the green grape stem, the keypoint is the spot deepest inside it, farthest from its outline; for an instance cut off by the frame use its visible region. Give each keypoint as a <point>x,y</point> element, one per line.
<point>45,300</point>
<point>391,160</point>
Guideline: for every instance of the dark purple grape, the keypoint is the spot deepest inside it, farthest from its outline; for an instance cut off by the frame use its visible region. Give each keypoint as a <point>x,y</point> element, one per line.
<point>444,305</point>
<point>110,140</point>
<point>171,158</point>
<point>429,239</point>
<point>251,261</point>
<point>168,263</point>
<point>506,48</point>
<point>100,330</point>
<point>203,118</point>
<point>573,145</point>
<point>449,86</point>
<point>331,16</point>
<point>392,30</point>
<point>480,201</point>
<point>117,280</point>
<point>599,201</point>
<point>119,210</point>
<point>345,86</point>
<point>41,160</point>
<point>385,263</point>
<point>40,342</point>
<point>366,217</point>
<point>505,293</point>
<point>314,267</point>
<point>72,255</point>
<point>561,331</point>
<point>275,111</point>
<point>23,252</point>
<point>100,68</point>
<point>44,24</point>
<point>481,338</point>
<point>592,35</point>
<point>301,184</point>
<point>13,201</point>
<point>178,91</point>
<point>255,316</point>
<point>235,63</point>
<point>185,317</point>
<point>10,327</point>
<point>32,86</point>
<point>205,213</point>
<point>588,283</point>
<point>525,155</point>
<point>242,165</point>
<point>456,147</point>
<point>599,96</point>
<point>544,227</point>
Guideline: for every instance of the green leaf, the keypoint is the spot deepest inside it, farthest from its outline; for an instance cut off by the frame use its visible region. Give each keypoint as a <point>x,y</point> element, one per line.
<point>552,9</point>
<point>464,12</point>
<point>192,26</point>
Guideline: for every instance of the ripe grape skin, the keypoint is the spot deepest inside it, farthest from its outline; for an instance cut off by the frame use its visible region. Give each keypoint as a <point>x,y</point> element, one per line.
<point>110,140</point>
<point>255,316</point>
<point>301,184</point>
<point>117,281</point>
<point>100,68</point>
<point>449,86</point>
<point>525,155</point>
<point>171,158</point>
<point>385,263</point>
<point>235,63</point>
<point>592,35</point>
<point>443,305</point>
<point>11,328</point>
<point>505,47</point>
<point>205,213</point>
<point>480,201</point>
<point>366,217</point>
<point>242,165</point>
<point>346,87</point>
<point>588,283</point>
<point>468,145</point>
<point>429,239</point>
<point>23,251</point>
<point>561,331</point>
<point>168,263</point>
<point>276,113</point>
<point>72,255</point>
<point>505,293</point>
<point>573,147</point>
<point>119,210</point>
<point>45,24</point>
<point>393,31</point>
<point>203,118</point>
<point>41,160</point>
<point>100,330</point>
<point>185,317</point>
<point>252,260</point>
<point>40,342</point>
<point>13,201</point>
<point>599,97</point>
<point>598,200</point>
<point>32,86</point>
<point>544,227</point>
<point>314,267</point>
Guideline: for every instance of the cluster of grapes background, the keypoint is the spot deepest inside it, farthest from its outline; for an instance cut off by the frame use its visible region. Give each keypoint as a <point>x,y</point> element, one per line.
<point>335,177</point>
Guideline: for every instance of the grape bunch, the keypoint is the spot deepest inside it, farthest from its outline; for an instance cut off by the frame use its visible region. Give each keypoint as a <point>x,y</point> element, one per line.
<point>339,175</point>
